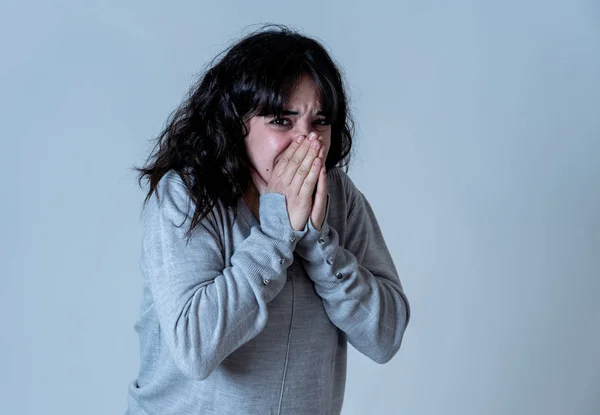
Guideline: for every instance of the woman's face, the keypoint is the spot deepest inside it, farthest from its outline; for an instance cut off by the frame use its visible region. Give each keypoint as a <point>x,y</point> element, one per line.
<point>269,136</point>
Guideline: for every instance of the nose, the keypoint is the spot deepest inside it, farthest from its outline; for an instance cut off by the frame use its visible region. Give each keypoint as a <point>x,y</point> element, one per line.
<point>302,128</point>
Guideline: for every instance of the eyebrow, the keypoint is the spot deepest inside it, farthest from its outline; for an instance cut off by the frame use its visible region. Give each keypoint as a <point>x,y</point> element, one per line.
<point>290,112</point>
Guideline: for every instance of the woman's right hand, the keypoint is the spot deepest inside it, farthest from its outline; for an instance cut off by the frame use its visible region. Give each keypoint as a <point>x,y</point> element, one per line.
<point>296,174</point>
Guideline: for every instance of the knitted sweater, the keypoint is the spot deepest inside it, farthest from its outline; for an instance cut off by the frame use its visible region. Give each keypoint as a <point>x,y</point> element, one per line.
<point>254,317</point>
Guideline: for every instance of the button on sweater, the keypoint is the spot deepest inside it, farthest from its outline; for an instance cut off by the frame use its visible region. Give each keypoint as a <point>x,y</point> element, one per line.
<point>253,317</point>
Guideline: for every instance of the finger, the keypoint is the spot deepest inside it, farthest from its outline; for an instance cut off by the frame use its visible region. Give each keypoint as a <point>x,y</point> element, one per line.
<point>321,195</point>
<point>285,158</point>
<point>258,181</point>
<point>297,158</point>
<point>305,166</point>
<point>317,215</point>
<point>322,152</point>
<point>310,182</point>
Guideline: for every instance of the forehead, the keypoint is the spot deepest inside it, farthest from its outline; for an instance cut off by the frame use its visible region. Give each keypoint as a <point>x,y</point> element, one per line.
<point>306,92</point>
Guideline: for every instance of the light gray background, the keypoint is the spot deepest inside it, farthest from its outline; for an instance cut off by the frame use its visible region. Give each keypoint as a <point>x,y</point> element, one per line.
<point>478,146</point>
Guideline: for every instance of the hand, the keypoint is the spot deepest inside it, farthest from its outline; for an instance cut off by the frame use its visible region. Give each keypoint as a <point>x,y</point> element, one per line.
<point>295,176</point>
<point>317,215</point>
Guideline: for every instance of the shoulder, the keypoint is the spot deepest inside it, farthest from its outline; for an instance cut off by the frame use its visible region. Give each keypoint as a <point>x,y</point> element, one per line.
<point>171,183</point>
<point>341,179</point>
<point>215,220</point>
<point>170,196</point>
<point>339,184</point>
<point>170,211</point>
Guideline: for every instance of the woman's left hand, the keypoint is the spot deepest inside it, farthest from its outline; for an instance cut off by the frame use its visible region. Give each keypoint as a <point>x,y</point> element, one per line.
<point>317,215</point>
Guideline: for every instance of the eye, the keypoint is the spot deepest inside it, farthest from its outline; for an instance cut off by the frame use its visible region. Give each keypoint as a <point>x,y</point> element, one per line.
<point>323,121</point>
<point>279,121</point>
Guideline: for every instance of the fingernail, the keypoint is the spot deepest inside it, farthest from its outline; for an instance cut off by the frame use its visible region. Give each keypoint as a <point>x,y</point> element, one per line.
<point>300,139</point>
<point>312,136</point>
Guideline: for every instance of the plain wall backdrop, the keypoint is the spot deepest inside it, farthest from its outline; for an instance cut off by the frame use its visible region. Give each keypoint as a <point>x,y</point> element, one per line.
<point>478,145</point>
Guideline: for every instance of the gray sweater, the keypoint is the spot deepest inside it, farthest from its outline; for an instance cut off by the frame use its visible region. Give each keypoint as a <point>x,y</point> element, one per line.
<point>254,318</point>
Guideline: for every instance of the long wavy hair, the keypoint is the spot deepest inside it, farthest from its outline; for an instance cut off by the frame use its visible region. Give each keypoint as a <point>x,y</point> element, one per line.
<point>203,140</point>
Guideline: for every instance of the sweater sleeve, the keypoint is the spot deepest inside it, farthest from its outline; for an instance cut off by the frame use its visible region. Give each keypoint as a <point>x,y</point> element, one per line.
<point>205,309</point>
<point>358,282</point>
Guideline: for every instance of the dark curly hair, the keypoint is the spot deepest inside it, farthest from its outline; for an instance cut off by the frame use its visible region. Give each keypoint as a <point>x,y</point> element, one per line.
<point>203,140</point>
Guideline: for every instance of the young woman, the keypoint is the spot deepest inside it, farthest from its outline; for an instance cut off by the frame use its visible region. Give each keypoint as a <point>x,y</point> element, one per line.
<point>260,257</point>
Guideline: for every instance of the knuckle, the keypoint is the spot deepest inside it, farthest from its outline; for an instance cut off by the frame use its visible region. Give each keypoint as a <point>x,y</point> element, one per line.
<point>303,170</point>
<point>308,183</point>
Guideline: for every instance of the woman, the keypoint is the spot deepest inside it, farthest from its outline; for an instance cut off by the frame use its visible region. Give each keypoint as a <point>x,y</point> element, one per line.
<point>260,257</point>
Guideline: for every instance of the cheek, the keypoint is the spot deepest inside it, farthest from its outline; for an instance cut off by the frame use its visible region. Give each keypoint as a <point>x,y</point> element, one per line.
<point>273,147</point>
<point>279,146</point>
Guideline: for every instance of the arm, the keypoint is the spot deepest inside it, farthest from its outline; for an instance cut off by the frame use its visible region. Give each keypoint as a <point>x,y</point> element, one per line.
<point>357,282</point>
<point>207,310</point>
